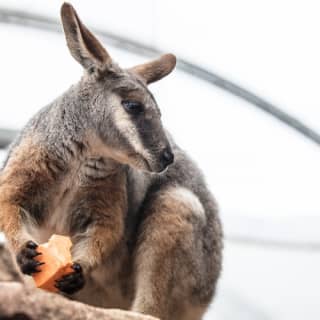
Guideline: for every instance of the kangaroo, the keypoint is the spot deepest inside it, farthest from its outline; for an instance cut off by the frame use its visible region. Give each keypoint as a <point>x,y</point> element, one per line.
<point>97,165</point>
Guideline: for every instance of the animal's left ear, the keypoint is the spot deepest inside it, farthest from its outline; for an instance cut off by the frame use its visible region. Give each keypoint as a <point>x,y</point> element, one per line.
<point>155,70</point>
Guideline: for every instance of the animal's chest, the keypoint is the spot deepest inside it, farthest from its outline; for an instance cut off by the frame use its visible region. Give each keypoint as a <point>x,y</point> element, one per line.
<point>64,196</point>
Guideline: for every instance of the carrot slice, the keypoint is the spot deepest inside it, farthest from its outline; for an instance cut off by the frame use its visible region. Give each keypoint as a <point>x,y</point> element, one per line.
<point>57,260</point>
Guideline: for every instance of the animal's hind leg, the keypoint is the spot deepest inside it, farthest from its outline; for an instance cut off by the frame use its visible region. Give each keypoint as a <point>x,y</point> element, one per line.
<point>169,264</point>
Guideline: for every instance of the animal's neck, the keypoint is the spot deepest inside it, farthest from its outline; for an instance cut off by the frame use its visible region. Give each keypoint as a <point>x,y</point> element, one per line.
<point>97,149</point>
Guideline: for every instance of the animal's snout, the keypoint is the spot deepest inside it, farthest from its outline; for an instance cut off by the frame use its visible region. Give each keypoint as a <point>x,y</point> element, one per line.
<point>166,157</point>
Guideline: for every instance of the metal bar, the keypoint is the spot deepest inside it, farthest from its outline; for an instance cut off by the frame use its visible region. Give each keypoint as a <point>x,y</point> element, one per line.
<point>278,244</point>
<point>6,137</point>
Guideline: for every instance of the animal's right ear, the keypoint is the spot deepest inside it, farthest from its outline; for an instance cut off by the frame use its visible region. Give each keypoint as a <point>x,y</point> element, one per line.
<point>83,45</point>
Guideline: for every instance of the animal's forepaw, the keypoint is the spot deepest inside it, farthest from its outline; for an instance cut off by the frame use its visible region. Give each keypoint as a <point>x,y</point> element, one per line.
<point>25,258</point>
<point>72,282</point>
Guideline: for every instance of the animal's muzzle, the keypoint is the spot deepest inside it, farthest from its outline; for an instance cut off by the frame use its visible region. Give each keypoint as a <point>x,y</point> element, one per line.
<point>166,157</point>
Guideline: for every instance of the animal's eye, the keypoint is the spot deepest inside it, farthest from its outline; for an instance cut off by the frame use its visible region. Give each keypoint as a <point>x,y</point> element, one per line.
<point>132,107</point>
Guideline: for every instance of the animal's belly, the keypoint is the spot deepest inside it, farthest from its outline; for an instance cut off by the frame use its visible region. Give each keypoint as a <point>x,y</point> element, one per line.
<point>107,287</point>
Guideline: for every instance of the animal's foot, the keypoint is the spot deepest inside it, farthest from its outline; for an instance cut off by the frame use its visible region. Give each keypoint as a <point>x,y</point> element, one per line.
<point>25,258</point>
<point>72,282</point>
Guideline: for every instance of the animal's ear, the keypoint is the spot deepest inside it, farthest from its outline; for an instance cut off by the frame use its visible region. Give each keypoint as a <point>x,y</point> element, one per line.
<point>83,45</point>
<point>157,69</point>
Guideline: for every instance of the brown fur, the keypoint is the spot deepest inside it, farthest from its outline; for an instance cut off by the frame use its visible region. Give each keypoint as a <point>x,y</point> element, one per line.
<point>104,203</point>
<point>29,173</point>
<point>165,256</point>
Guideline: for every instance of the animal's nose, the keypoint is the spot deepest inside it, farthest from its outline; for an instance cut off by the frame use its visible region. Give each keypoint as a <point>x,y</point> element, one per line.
<point>167,157</point>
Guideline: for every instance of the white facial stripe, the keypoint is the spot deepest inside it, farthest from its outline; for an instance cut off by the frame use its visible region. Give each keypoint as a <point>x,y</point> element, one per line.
<point>189,199</point>
<point>128,129</point>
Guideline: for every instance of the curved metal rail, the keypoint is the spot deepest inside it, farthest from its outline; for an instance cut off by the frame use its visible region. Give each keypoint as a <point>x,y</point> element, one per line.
<point>6,137</point>
<point>41,22</point>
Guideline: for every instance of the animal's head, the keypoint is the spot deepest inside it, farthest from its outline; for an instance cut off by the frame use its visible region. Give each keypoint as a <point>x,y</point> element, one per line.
<point>123,112</point>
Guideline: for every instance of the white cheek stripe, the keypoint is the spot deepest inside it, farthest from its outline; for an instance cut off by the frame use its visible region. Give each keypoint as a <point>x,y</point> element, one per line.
<point>128,129</point>
<point>189,199</point>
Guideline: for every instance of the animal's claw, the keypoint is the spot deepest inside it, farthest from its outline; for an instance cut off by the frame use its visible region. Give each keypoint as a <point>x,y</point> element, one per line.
<point>72,282</point>
<point>25,258</point>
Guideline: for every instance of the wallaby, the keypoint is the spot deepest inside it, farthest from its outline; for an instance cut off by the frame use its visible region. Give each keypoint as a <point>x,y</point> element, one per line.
<point>98,166</point>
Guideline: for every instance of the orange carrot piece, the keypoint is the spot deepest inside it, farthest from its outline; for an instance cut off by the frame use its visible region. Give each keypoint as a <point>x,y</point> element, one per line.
<point>57,262</point>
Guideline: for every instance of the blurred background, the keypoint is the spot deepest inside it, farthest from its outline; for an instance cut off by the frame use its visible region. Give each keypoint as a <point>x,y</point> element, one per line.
<point>244,102</point>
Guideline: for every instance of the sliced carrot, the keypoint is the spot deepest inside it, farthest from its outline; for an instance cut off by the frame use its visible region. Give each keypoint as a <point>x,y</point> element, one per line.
<point>57,260</point>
